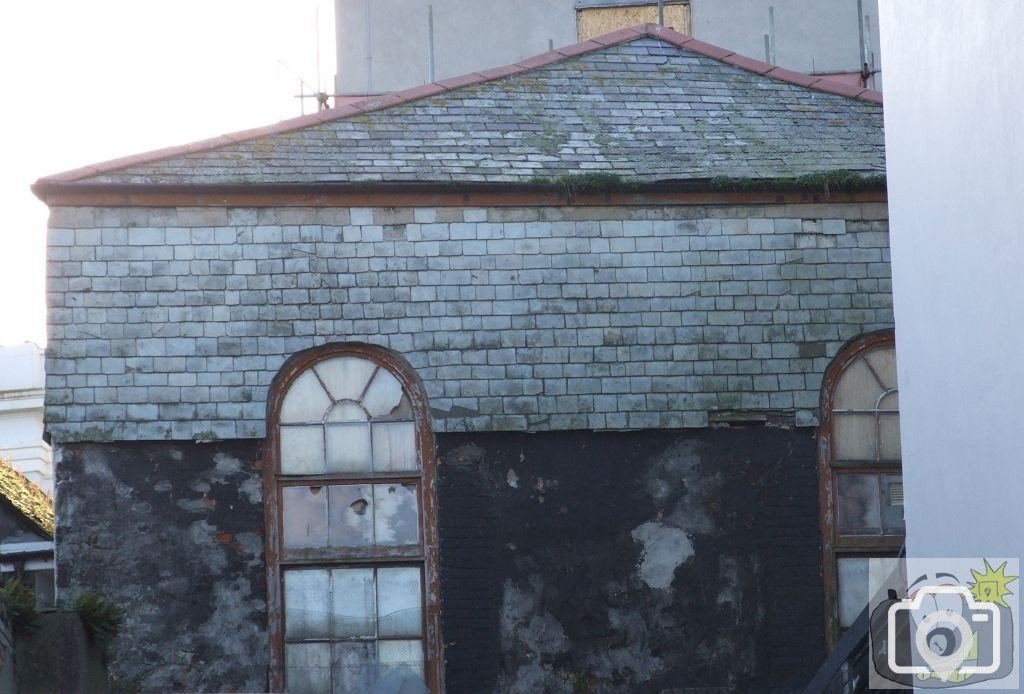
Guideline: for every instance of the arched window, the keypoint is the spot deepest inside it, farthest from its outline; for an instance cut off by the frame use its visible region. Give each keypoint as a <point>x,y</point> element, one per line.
<point>351,525</point>
<point>860,474</point>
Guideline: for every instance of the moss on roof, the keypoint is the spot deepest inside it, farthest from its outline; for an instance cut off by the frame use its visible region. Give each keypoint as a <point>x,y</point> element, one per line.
<point>26,497</point>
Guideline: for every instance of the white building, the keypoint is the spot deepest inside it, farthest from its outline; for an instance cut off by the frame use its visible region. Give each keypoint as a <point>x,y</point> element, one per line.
<point>21,413</point>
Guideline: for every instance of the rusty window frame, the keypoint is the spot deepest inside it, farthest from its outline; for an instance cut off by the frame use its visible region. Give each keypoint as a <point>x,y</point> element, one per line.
<point>834,545</point>
<point>426,479</point>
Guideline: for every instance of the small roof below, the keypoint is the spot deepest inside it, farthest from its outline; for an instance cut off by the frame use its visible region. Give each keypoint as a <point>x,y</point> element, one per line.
<point>644,104</point>
<point>26,498</point>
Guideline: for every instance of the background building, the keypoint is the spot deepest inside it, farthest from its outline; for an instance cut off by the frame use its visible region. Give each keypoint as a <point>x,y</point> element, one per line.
<point>21,413</point>
<point>387,45</point>
<point>957,254</point>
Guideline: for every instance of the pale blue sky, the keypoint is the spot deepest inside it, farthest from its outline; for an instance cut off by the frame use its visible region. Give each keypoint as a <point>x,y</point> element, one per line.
<point>89,81</point>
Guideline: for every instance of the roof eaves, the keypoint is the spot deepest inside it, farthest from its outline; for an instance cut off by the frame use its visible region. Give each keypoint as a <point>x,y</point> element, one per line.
<point>405,96</point>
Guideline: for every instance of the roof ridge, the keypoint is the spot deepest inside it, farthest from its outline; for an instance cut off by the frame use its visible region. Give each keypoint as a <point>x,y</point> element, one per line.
<point>384,101</point>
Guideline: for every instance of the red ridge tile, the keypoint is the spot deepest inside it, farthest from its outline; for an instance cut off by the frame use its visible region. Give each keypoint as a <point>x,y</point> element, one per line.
<point>579,48</point>
<point>495,73</point>
<point>836,87</point>
<point>460,81</point>
<point>749,64</point>
<point>711,51</point>
<point>620,36</point>
<point>800,78</point>
<point>541,60</point>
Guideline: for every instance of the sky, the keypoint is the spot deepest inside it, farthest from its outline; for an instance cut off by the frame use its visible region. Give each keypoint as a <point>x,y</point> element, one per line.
<point>89,80</point>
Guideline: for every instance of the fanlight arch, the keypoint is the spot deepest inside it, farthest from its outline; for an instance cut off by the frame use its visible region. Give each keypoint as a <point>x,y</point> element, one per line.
<point>349,483</point>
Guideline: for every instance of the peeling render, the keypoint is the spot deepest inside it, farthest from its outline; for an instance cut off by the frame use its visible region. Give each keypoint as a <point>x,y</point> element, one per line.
<point>172,533</point>
<point>610,563</point>
<point>623,563</point>
<point>665,548</point>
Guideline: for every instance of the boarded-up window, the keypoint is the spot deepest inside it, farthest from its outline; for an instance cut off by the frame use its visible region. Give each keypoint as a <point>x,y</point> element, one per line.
<point>595,21</point>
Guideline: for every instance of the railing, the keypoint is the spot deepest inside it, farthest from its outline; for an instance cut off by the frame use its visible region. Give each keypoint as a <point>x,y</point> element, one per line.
<point>845,671</point>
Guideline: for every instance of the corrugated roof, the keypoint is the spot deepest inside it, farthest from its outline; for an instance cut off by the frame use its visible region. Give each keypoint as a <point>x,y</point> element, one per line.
<point>646,104</point>
<point>26,497</point>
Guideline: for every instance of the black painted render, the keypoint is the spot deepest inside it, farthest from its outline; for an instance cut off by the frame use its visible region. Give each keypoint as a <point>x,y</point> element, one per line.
<point>542,580</point>
<point>173,533</point>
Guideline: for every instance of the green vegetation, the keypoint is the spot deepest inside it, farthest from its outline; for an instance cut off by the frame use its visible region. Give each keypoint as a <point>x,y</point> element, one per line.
<point>827,182</point>
<point>20,602</point>
<point>592,182</point>
<point>102,619</point>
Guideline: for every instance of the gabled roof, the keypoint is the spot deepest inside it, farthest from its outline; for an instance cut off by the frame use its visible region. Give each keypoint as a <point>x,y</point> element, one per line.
<point>26,497</point>
<point>645,104</point>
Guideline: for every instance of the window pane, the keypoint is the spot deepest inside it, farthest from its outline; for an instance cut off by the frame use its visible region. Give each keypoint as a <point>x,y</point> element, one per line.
<point>889,433</point>
<point>346,377</point>
<point>302,450</point>
<point>351,515</point>
<point>857,388</point>
<point>304,515</point>
<point>402,665</point>
<point>854,437</point>
<point>891,402</point>
<point>892,508</point>
<point>853,589</point>
<point>401,413</point>
<point>308,668</point>
<point>384,394</point>
<point>353,603</point>
<point>399,602</point>
<point>859,507</point>
<point>306,595</point>
<point>396,514</point>
<point>346,411</point>
<point>348,447</point>
<point>883,361</point>
<point>394,446</point>
<point>306,401</point>
<point>355,666</point>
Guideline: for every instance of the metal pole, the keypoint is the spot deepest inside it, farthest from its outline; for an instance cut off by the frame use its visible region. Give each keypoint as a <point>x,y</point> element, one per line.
<point>431,67</point>
<point>661,12</point>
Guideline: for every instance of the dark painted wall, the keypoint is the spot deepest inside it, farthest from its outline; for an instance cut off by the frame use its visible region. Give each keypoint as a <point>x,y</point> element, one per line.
<point>639,562</point>
<point>570,562</point>
<point>172,532</point>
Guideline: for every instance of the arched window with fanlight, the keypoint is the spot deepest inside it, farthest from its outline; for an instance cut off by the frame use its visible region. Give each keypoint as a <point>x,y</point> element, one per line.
<point>860,474</point>
<point>351,525</point>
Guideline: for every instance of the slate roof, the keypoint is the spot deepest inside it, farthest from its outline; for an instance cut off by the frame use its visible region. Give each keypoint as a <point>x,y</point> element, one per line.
<point>646,104</point>
<point>25,496</point>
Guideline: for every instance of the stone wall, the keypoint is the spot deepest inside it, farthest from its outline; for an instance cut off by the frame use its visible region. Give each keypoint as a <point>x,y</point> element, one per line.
<point>618,562</point>
<point>173,534</point>
<point>170,323</point>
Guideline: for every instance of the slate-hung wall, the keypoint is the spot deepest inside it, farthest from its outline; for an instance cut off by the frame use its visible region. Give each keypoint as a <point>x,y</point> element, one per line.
<point>171,323</point>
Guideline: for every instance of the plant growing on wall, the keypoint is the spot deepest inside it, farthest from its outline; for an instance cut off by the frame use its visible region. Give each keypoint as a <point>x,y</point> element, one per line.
<point>20,602</point>
<point>102,619</point>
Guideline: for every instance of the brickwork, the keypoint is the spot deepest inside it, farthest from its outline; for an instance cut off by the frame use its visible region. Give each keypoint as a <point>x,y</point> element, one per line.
<point>170,323</point>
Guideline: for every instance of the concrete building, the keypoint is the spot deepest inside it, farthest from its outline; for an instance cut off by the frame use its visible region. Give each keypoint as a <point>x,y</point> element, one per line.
<point>387,45</point>
<point>956,166</point>
<point>530,381</point>
<point>21,413</point>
